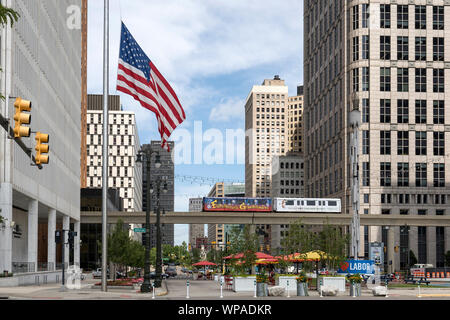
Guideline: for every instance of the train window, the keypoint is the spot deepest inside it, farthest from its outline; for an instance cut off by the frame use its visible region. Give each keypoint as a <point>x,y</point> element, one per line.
<point>298,203</point>
<point>332,203</point>
<point>310,203</point>
<point>303,203</point>
<point>290,202</point>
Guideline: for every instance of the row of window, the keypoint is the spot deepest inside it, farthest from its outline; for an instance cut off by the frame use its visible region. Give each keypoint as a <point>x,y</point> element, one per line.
<point>410,198</point>
<point>403,19</point>
<point>403,174</point>
<point>403,111</point>
<point>402,80</point>
<point>420,47</point>
<point>403,143</point>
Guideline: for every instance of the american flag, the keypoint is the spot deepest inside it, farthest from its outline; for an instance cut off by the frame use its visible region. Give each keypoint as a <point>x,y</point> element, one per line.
<point>138,77</point>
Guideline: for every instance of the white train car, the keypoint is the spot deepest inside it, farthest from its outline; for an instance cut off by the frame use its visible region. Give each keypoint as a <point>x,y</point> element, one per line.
<point>306,205</point>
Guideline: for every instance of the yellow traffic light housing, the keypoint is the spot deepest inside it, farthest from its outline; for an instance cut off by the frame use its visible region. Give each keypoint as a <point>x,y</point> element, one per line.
<point>21,118</point>
<point>41,148</point>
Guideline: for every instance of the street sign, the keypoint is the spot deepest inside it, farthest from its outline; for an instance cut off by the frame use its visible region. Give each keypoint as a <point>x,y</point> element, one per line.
<point>142,230</point>
<point>357,266</point>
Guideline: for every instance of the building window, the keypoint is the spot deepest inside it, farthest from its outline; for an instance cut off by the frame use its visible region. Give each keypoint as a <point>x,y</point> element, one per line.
<point>438,175</point>
<point>438,49</point>
<point>421,48</point>
<point>402,17</point>
<point>403,174</point>
<point>402,111</point>
<point>421,80</point>
<point>385,47</point>
<point>402,80</point>
<point>421,111</point>
<point>385,79</point>
<point>402,48</point>
<point>438,143</point>
<point>355,48</point>
<point>438,80</point>
<point>421,17</point>
<point>385,142</point>
<point>422,244</point>
<point>438,17</point>
<point>385,15</point>
<point>365,111</point>
<point>365,142</point>
<point>355,17</point>
<point>356,80</point>
<point>385,174</point>
<point>365,15</point>
<point>421,143</point>
<point>438,111</point>
<point>365,79</point>
<point>421,174</point>
<point>365,174</point>
<point>385,111</point>
<point>365,47</point>
<point>386,198</point>
<point>402,143</point>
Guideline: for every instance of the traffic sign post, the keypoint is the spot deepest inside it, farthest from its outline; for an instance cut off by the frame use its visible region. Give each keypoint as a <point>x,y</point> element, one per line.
<point>221,292</point>
<point>153,286</point>
<point>255,290</point>
<point>288,295</point>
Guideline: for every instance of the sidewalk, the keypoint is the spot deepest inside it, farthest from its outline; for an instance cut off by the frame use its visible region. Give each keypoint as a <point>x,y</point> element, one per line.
<point>174,289</point>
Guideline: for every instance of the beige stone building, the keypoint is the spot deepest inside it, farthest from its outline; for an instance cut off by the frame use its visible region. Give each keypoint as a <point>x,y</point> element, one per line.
<point>392,62</point>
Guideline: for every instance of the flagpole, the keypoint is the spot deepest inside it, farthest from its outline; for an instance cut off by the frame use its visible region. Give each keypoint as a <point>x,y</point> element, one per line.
<point>105,145</point>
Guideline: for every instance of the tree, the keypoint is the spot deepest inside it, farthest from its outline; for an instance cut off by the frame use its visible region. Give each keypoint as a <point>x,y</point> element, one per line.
<point>447,259</point>
<point>246,242</point>
<point>334,243</point>
<point>412,258</point>
<point>8,14</point>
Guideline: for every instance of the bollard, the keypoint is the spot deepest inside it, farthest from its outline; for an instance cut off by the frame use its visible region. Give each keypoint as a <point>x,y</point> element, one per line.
<point>255,289</point>
<point>321,291</point>
<point>153,286</point>
<point>187,289</point>
<point>419,296</point>
<point>221,291</point>
<point>288,289</point>
<point>354,289</point>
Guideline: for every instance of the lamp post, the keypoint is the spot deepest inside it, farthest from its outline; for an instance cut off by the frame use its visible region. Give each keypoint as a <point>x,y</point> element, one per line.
<point>144,156</point>
<point>159,181</point>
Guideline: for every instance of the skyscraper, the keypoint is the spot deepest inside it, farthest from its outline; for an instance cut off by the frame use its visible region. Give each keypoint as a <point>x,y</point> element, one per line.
<point>389,61</point>
<point>166,171</point>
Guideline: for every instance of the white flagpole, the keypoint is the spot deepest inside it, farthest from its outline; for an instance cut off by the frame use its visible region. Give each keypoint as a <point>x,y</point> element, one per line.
<point>105,145</point>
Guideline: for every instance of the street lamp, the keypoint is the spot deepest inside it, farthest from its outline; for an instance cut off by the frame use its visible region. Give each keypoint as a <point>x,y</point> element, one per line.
<point>145,155</point>
<point>159,181</point>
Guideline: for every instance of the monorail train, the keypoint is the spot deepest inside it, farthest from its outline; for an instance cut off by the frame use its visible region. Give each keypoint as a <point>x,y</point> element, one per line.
<point>272,205</point>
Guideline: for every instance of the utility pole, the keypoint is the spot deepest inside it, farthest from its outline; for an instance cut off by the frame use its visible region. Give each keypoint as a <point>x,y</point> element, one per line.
<point>105,145</point>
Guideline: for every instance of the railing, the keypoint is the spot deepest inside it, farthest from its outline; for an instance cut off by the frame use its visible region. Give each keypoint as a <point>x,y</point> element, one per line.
<point>46,266</point>
<point>23,267</point>
<point>59,265</point>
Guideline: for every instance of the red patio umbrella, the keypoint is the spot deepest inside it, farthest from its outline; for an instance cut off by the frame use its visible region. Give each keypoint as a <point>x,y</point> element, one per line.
<point>204,263</point>
<point>259,255</point>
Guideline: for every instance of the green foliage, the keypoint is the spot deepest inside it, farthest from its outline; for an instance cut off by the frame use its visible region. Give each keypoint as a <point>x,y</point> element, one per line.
<point>262,278</point>
<point>246,242</point>
<point>412,258</point>
<point>302,277</point>
<point>447,259</point>
<point>354,278</point>
<point>331,240</point>
<point>8,14</point>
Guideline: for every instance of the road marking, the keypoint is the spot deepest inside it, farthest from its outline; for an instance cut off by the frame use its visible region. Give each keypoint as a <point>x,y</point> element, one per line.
<point>435,295</point>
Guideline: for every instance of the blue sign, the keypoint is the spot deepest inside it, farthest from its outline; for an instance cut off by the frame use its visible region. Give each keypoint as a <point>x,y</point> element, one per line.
<point>357,266</point>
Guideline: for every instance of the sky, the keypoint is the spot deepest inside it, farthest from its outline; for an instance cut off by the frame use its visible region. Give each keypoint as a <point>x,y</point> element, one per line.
<point>212,52</point>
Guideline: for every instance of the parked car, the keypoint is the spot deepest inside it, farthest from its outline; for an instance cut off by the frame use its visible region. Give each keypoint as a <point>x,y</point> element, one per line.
<point>163,275</point>
<point>98,273</point>
<point>171,271</point>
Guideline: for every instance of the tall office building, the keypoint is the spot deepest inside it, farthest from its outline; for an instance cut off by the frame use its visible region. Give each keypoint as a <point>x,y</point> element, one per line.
<point>389,61</point>
<point>295,123</point>
<point>123,148</point>
<point>166,172</point>
<point>41,62</point>
<point>196,230</point>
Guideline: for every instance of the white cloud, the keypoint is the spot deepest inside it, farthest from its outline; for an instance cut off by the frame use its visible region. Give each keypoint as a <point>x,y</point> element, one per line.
<point>229,109</point>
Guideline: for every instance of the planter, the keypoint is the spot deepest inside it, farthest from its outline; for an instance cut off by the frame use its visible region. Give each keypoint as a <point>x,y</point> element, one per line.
<point>355,289</point>
<point>244,283</point>
<point>302,289</point>
<point>261,289</point>
<point>282,281</point>
<point>338,282</point>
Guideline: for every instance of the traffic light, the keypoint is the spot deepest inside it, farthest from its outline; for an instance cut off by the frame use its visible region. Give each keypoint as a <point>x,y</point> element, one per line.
<point>41,148</point>
<point>58,236</point>
<point>21,118</point>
